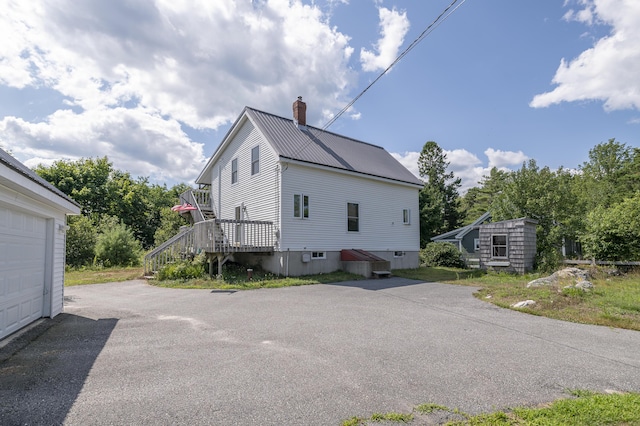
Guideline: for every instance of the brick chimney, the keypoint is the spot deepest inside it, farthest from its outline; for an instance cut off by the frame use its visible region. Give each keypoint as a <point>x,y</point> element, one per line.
<point>300,112</point>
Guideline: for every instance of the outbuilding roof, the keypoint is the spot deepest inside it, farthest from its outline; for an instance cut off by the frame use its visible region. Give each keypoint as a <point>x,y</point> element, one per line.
<point>459,233</point>
<point>311,145</point>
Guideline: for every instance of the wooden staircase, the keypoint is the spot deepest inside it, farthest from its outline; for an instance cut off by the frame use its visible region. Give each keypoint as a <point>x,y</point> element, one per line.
<point>218,238</point>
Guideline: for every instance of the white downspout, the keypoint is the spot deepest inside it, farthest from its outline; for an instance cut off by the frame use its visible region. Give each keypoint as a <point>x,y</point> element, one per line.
<point>219,191</point>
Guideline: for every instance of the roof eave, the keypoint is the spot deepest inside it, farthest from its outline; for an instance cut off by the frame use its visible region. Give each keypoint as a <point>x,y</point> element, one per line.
<point>346,171</point>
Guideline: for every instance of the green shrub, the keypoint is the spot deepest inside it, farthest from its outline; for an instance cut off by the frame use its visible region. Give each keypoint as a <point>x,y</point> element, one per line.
<point>117,246</point>
<point>81,241</point>
<point>184,270</point>
<point>441,254</point>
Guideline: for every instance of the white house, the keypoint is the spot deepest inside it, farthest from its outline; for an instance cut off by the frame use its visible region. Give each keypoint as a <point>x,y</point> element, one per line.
<point>32,245</point>
<point>322,192</point>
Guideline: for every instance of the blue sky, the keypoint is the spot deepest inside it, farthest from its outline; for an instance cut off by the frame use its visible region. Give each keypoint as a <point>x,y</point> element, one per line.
<point>156,85</point>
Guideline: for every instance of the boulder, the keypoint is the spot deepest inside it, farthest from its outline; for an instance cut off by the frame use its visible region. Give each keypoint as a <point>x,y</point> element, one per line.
<point>524,304</point>
<point>584,285</point>
<point>576,274</point>
<point>572,273</point>
<point>541,282</point>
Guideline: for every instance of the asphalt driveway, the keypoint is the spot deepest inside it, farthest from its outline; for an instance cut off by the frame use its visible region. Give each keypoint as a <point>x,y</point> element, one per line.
<point>130,353</point>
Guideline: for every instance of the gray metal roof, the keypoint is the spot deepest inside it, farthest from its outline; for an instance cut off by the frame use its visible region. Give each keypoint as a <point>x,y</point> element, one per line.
<point>16,165</point>
<point>315,146</point>
<point>461,232</point>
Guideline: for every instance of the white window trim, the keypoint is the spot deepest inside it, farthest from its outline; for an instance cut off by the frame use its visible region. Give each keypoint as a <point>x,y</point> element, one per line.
<point>359,216</point>
<point>318,255</point>
<point>506,245</point>
<point>235,160</point>
<point>398,253</point>
<point>257,161</point>
<point>301,206</point>
<point>406,216</point>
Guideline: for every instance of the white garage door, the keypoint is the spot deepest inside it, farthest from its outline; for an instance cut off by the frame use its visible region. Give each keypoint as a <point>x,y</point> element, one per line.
<point>22,266</point>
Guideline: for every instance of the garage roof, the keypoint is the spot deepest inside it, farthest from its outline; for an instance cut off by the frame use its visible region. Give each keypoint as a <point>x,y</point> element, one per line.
<point>12,163</point>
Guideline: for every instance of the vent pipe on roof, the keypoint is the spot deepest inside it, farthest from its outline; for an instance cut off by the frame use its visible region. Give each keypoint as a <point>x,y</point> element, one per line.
<point>300,112</point>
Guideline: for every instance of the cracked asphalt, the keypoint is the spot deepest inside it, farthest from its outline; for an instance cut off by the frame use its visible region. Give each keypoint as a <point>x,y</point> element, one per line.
<point>130,353</point>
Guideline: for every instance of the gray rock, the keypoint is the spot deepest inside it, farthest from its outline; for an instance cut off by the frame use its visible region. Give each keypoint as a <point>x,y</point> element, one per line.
<point>563,274</point>
<point>572,273</point>
<point>542,282</point>
<point>584,285</point>
<point>524,304</point>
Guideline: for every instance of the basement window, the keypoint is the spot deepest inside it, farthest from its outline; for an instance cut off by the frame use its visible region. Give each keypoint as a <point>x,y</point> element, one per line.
<point>398,254</point>
<point>318,255</point>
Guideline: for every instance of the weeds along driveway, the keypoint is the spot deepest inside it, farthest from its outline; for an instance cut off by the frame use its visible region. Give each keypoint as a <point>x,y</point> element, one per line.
<point>130,353</point>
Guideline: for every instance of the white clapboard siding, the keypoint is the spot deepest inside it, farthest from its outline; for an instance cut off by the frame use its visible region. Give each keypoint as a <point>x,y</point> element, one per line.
<point>256,192</point>
<point>380,203</point>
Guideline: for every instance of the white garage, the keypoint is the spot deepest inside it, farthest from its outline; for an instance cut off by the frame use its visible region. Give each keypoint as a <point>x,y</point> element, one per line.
<point>32,246</point>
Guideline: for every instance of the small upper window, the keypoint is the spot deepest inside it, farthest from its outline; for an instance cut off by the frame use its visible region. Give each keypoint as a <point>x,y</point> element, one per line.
<point>234,170</point>
<point>498,246</point>
<point>406,216</point>
<point>353,217</point>
<point>255,160</point>
<point>301,206</point>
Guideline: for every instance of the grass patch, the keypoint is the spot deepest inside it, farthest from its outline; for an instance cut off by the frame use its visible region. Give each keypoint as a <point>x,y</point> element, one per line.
<point>438,274</point>
<point>98,275</point>
<point>380,417</point>
<point>583,408</point>
<point>235,277</point>
<point>614,302</point>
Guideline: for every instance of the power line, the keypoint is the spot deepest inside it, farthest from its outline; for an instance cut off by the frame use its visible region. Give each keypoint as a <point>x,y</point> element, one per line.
<point>441,18</point>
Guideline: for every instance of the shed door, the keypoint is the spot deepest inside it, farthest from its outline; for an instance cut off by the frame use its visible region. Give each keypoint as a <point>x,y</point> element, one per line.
<point>22,267</point>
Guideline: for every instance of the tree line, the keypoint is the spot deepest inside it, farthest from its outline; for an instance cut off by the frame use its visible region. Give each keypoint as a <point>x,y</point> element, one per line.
<point>120,215</point>
<point>596,205</point>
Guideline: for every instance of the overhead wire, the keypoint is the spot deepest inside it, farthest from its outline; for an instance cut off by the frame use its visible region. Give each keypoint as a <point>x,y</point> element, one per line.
<point>440,19</point>
<point>448,11</point>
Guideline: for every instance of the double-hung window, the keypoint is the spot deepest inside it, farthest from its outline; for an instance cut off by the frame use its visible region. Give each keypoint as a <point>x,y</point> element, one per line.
<point>499,246</point>
<point>353,217</point>
<point>234,170</point>
<point>406,216</point>
<point>301,206</point>
<point>255,160</point>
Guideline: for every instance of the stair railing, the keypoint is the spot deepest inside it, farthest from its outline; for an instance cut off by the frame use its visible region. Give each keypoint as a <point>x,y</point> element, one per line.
<point>178,247</point>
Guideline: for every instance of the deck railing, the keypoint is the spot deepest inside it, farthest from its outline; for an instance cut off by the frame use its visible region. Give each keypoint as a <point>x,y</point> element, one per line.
<point>229,236</point>
<point>213,236</point>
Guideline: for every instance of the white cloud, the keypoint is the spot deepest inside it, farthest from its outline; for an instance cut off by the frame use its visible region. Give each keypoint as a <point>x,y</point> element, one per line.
<point>466,165</point>
<point>607,71</point>
<point>147,68</point>
<point>393,27</point>
<point>409,159</point>
<point>498,158</point>
<point>133,139</point>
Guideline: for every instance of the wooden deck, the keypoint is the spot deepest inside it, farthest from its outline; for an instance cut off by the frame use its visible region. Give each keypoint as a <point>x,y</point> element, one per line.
<point>216,237</point>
